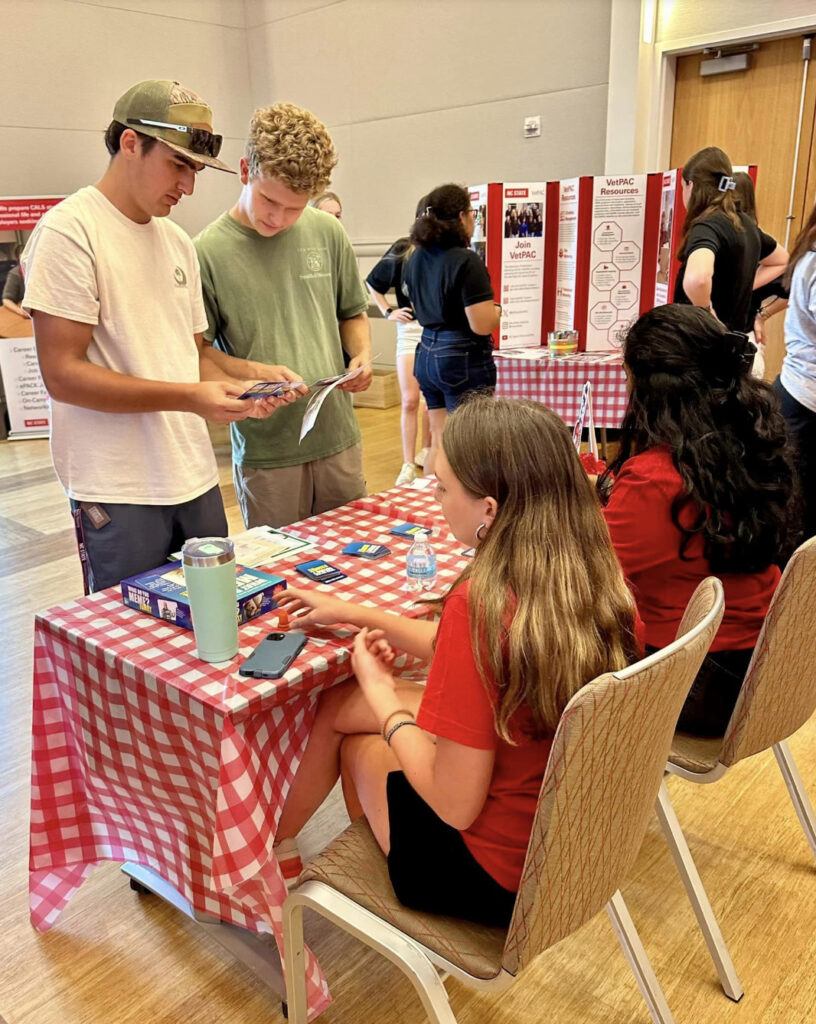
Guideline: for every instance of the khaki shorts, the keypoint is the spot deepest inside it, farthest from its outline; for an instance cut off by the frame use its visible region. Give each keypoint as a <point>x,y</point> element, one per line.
<point>278,497</point>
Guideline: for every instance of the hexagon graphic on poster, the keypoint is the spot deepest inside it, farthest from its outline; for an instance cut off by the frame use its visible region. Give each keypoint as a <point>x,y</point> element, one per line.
<point>617,332</point>
<point>625,295</point>
<point>602,315</point>
<point>607,235</point>
<point>605,276</point>
<point>626,255</point>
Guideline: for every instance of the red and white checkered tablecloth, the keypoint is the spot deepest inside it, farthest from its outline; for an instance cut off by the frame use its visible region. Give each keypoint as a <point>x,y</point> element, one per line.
<point>409,504</point>
<point>143,753</point>
<point>557,383</point>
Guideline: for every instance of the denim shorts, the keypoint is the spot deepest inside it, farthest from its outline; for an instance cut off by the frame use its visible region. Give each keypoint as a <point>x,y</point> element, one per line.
<point>450,365</point>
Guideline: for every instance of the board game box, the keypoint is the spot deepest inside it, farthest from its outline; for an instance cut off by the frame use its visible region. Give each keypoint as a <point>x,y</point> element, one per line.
<point>162,592</point>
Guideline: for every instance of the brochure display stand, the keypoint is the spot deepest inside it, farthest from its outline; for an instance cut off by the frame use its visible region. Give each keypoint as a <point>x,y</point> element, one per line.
<point>510,236</point>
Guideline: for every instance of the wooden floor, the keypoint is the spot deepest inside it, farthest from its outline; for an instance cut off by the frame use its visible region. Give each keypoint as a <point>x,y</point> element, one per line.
<point>115,957</point>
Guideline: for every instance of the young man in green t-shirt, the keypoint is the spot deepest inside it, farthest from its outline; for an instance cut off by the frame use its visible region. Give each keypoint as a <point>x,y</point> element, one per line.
<point>281,285</point>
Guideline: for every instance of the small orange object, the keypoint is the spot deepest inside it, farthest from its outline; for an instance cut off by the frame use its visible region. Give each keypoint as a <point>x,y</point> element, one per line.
<point>282,616</point>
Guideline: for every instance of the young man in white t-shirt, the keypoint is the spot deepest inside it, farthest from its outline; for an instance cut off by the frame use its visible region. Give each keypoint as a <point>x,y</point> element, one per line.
<point>115,295</point>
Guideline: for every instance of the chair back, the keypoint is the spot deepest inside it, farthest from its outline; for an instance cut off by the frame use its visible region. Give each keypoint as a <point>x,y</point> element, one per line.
<point>779,692</point>
<point>598,792</point>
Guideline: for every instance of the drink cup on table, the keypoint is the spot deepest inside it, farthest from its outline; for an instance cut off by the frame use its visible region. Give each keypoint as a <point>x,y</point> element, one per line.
<point>209,573</point>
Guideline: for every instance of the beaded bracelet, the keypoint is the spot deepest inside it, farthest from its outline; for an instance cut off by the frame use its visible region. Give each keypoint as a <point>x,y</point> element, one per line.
<point>399,725</point>
<point>399,711</point>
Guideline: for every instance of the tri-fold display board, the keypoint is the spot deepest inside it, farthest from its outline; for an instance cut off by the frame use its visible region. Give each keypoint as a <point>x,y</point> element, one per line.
<point>588,254</point>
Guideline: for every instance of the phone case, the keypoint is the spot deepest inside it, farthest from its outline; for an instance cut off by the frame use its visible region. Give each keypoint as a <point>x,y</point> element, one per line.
<point>273,655</point>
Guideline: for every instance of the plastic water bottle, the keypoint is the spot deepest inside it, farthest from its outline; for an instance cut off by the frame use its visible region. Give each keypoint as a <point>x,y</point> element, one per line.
<point>420,564</point>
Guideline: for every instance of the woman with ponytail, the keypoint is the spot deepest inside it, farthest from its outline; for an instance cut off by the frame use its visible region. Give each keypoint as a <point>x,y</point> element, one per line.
<point>723,254</point>
<point>452,296</point>
<point>448,774</point>
<point>702,485</point>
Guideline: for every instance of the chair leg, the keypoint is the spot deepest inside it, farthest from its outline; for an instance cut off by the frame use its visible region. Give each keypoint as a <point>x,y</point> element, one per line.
<point>798,793</point>
<point>697,895</point>
<point>294,963</point>
<point>633,950</point>
<point>388,941</point>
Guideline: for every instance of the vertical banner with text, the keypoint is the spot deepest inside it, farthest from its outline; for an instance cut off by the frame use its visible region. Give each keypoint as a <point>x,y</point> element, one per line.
<point>522,268</point>
<point>616,258</point>
<point>566,266</point>
<point>26,398</point>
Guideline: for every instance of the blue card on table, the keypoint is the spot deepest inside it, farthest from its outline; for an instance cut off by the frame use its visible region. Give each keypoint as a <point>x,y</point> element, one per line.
<point>409,530</point>
<point>320,571</point>
<point>366,549</point>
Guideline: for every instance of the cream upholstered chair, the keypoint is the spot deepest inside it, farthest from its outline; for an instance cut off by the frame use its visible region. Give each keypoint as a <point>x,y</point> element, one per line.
<point>605,767</point>
<point>777,698</point>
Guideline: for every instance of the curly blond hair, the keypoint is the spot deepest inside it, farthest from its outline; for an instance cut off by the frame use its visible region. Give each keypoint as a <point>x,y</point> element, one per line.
<point>290,144</point>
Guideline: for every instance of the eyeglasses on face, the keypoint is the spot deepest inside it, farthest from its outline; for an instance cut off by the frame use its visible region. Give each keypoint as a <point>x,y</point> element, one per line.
<point>201,141</point>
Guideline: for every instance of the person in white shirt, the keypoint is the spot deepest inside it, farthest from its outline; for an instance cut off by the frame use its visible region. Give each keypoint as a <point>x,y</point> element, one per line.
<point>114,291</point>
<point>796,384</point>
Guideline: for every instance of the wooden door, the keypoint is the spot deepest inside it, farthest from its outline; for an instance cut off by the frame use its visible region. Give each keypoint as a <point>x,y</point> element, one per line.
<point>753,116</point>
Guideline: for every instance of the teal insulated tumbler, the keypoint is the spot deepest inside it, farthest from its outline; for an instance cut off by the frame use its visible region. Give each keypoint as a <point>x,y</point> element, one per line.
<point>209,572</point>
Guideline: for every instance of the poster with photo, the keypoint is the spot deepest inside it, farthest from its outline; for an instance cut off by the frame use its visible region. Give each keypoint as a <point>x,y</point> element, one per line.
<point>478,201</point>
<point>616,258</point>
<point>523,213</point>
<point>666,237</point>
<point>567,259</point>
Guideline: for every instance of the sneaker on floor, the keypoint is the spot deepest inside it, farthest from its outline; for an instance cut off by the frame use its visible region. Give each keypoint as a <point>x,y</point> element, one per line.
<point>407,474</point>
<point>421,456</point>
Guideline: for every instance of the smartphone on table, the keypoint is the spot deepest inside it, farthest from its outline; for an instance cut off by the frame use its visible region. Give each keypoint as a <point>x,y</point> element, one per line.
<point>273,655</point>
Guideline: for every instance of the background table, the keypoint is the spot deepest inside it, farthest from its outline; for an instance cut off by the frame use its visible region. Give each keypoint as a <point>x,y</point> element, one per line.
<point>143,753</point>
<point>557,383</point>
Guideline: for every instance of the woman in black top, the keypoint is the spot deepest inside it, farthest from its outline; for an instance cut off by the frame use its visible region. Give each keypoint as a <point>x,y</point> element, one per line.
<point>386,276</point>
<point>723,254</point>
<point>452,297</point>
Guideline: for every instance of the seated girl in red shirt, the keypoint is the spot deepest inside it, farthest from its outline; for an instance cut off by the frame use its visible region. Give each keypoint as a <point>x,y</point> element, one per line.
<point>540,611</point>
<point>703,486</point>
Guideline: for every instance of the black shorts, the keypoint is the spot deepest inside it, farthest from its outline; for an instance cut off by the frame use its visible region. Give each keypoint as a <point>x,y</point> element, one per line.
<point>432,869</point>
<point>714,692</point>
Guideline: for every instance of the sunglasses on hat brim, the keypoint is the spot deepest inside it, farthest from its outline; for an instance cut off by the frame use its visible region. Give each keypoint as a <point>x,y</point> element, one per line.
<point>202,142</point>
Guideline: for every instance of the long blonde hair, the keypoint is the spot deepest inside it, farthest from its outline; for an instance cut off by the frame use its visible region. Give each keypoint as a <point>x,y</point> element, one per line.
<point>548,606</point>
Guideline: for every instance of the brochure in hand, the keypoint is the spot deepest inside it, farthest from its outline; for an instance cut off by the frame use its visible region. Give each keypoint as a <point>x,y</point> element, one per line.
<point>273,388</point>
<point>320,389</point>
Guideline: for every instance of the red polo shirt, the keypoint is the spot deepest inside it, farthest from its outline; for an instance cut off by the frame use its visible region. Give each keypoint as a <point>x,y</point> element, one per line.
<point>648,545</point>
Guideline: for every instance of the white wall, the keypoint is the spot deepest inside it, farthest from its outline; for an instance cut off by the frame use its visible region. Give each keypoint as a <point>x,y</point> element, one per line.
<point>418,92</point>
<point>682,19</point>
<point>65,63</point>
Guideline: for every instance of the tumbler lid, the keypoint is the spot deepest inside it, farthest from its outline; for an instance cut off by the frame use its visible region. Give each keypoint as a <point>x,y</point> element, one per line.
<point>203,552</point>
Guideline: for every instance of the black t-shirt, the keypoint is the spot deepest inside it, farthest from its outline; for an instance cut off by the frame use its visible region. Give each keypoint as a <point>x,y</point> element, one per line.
<point>736,258</point>
<point>441,283</point>
<point>387,274</point>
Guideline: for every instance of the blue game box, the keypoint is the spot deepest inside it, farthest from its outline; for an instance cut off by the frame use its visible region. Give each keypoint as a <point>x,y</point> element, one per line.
<point>162,592</point>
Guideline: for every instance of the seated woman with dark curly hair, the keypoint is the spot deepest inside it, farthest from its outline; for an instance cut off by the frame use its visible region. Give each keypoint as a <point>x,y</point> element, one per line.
<point>703,486</point>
